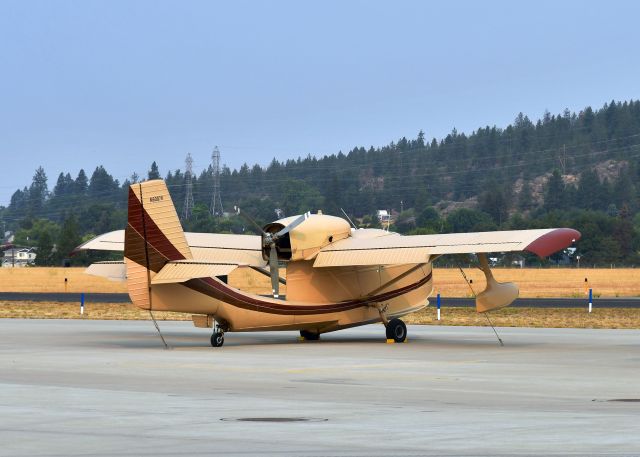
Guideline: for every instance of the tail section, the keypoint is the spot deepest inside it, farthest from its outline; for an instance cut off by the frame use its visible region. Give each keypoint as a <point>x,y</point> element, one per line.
<point>153,237</point>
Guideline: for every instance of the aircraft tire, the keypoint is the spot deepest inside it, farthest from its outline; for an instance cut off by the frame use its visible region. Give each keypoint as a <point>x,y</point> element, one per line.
<point>217,339</point>
<point>396,330</point>
<point>309,336</point>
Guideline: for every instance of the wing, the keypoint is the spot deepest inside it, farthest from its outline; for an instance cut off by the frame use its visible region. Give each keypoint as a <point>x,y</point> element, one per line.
<point>207,247</point>
<point>111,241</point>
<point>398,249</point>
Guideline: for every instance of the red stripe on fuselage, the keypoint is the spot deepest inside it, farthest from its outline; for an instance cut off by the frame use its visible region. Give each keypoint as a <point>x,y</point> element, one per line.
<point>221,291</point>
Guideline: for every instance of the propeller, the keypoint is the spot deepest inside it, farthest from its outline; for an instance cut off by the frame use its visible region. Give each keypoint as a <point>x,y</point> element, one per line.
<point>269,241</point>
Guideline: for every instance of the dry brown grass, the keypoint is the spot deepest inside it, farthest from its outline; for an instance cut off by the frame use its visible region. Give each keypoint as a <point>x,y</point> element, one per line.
<point>52,280</point>
<point>533,282</point>
<point>98,311</point>
<point>508,317</point>
<point>532,317</point>
<point>544,282</point>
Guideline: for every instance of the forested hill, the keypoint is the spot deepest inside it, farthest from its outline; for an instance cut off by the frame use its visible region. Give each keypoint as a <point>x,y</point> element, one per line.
<point>580,170</point>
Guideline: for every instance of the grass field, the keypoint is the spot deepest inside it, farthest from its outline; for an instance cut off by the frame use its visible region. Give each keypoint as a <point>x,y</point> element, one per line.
<point>507,317</point>
<point>449,282</point>
<point>533,282</point>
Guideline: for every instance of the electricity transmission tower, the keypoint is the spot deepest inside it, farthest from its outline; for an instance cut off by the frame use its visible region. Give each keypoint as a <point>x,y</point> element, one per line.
<point>216,200</point>
<point>188,197</point>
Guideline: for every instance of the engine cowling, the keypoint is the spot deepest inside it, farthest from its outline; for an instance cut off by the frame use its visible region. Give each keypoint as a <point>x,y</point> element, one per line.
<point>305,241</point>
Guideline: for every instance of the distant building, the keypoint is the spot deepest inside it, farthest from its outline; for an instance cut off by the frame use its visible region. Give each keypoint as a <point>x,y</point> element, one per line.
<point>383,216</point>
<point>18,257</point>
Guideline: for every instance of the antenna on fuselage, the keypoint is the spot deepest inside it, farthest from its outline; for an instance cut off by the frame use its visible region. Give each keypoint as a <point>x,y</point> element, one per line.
<point>349,219</point>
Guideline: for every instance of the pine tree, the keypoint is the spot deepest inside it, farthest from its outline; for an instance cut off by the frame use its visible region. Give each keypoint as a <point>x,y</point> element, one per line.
<point>69,238</point>
<point>554,193</point>
<point>102,185</point>
<point>154,173</point>
<point>44,250</point>
<point>38,192</point>
<point>81,183</point>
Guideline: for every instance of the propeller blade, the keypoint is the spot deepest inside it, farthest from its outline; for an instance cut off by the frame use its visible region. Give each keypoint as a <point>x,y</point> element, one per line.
<point>273,269</point>
<point>293,225</point>
<point>247,218</point>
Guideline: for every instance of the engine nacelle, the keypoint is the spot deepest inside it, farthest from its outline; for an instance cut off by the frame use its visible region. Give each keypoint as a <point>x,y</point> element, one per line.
<point>305,241</point>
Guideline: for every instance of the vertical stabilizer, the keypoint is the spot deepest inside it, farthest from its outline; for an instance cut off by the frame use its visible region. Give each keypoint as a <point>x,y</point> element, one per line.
<point>153,237</point>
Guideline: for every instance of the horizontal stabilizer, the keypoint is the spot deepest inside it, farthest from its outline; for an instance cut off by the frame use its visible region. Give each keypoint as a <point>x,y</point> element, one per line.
<point>208,247</point>
<point>182,271</point>
<point>114,271</point>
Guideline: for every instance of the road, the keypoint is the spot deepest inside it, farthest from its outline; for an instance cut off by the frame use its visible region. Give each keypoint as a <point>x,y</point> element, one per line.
<point>520,302</point>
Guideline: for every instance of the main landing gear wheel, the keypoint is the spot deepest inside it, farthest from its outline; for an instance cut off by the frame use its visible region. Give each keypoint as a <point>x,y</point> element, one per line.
<point>309,336</point>
<point>217,339</point>
<point>396,330</point>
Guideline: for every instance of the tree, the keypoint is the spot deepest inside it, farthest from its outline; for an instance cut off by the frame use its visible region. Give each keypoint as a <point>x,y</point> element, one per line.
<point>153,172</point>
<point>81,183</point>
<point>493,201</point>
<point>525,202</point>
<point>69,238</point>
<point>38,192</point>
<point>469,220</point>
<point>429,219</point>
<point>102,185</point>
<point>406,221</point>
<point>554,192</point>
<point>19,200</point>
<point>44,250</point>
<point>296,197</point>
<point>64,185</point>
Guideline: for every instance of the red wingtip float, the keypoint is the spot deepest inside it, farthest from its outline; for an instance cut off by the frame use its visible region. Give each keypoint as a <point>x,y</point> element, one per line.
<point>553,241</point>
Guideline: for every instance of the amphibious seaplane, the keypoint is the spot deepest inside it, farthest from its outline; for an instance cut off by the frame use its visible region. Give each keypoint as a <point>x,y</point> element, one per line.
<point>336,276</point>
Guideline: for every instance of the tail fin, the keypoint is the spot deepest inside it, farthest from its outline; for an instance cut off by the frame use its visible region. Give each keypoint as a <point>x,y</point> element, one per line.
<point>152,238</point>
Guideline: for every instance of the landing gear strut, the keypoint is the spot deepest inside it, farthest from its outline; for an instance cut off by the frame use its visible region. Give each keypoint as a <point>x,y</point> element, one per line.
<point>396,330</point>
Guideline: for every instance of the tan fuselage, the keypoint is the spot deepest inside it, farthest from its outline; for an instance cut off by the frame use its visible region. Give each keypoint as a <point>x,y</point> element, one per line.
<point>318,299</point>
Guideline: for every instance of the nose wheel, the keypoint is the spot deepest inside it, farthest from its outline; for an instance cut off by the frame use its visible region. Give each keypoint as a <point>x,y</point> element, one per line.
<point>217,339</point>
<point>396,330</point>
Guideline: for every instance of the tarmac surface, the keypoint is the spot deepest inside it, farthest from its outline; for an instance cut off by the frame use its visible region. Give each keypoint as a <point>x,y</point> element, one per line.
<point>108,387</point>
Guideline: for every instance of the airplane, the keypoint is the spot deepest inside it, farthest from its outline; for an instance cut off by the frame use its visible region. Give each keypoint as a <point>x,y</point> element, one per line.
<point>336,276</point>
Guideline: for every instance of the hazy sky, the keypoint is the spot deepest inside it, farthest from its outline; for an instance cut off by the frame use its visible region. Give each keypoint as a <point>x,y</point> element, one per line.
<point>123,83</point>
